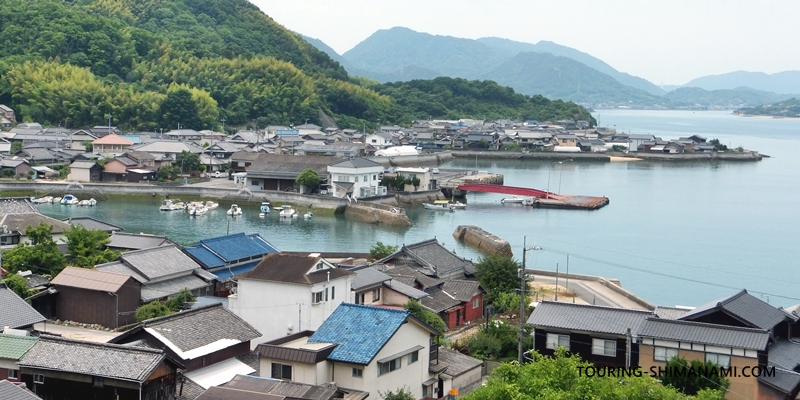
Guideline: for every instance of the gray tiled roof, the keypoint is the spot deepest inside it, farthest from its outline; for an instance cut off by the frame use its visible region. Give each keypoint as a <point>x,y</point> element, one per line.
<point>286,166</point>
<point>783,380</point>
<point>120,240</point>
<point>94,359</point>
<point>745,307</point>
<point>457,363</point>
<point>431,254</point>
<point>699,332</point>
<point>367,277</point>
<point>292,390</point>
<point>16,205</point>
<point>784,354</point>
<point>438,301</point>
<point>158,262</point>
<point>10,391</point>
<point>462,290</point>
<point>91,223</point>
<point>15,312</point>
<point>356,162</point>
<point>588,318</point>
<point>169,287</point>
<point>670,312</point>
<point>403,272</point>
<point>120,268</point>
<point>20,222</point>
<point>195,328</point>
<point>407,290</point>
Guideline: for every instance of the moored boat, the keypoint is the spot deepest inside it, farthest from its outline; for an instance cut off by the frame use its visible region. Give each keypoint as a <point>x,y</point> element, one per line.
<point>171,205</point>
<point>453,204</point>
<point>512,200</point>
<point>43,200</point>
<point>92,202</point>
<point>265,209</point>
<point>288,212</point>
<point>69,200</point>
<point>234,210</point>
<point>438,207</point>
<point>210,205</point>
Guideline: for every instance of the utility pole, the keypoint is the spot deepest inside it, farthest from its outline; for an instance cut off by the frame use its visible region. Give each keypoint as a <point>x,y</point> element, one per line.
<point>628,341</point>
<point>523,283</point>
<point>567,285</point>
<point>223,125</point>
<point>556,281</point>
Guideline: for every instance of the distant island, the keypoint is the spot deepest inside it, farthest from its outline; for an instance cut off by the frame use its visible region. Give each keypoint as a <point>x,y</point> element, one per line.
<point>786,109</point>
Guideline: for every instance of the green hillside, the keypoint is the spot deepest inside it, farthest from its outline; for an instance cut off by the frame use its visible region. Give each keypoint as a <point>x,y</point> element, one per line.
<point>155,63</point>
<point>729,98</point>
<point>788,108</point>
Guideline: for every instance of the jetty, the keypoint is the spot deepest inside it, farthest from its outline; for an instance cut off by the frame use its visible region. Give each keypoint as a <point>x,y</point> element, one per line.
<point>539,198</point>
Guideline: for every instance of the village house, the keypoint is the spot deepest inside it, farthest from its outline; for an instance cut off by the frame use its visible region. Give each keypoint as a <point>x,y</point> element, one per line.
<point>380,139</point>
<point>12,348</point>
<point>363,348</point>
<point>248,387</point>
<point>16,313</point>
<point>7,113</point>
<point>356,177</point>
<point>93,223</point>
<point>183,134</point>
<point>372,287</point>
<point>163,272</point>
<point>18,168</point>
<point>457,302</point>
<point>93,296</point>
<point>85,171</point>
<point>601,335</point>
<point>111,145</point>
<point>229,256</point>
<point>14,227</point>
<point>166,151</point>
<point>279,172</point>
<point>288,293</point>
<point>122,241</point>
<point>57,368</point>
<point>212,343</point>
<point>426,181</point>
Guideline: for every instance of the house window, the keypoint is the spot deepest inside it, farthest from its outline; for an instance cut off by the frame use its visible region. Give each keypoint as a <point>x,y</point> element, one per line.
<point>333,292</point>
<point>355,179</point>
<point>723,360</point>
<point>358,372</point>
<point>359,298</point>
<point>320,266</point>
<point>664,354</point>
<point>604,347</point>
<point>374,177</point>
<point>281,371</point>
<point>366,178</point>
<point>385,368</point>
<point>38,378</point>
<point>376,294</point>
<point>317,297</point>
<point>555,341</point>
<point>97,381</point>
<point>413,357</point>
<point>476,303</point>
<point>13,374</point>
<point>429,390</point>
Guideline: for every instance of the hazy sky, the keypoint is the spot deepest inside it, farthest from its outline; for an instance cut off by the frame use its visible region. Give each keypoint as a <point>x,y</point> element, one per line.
<point>664,41</point>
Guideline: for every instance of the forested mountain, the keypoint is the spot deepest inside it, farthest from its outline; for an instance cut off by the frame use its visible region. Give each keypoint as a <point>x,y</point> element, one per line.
<point>786,82</point>
<point>728,98</point>
<point>74,62</point>
<point>787,108</point>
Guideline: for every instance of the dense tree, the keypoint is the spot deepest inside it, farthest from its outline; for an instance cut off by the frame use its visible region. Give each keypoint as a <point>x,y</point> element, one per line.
<point>563,377</point>
<point>41,254</point>
<point>403,393</point>
<point>180,111</point>
<point>308,179</point>
<point>498,274</point>
<point>86,247</point>
<point>428,316</point>
<point>152,309</point>
<point>693,383</point>
<point>381,250</point>
<point>18,285</point>
<point>176,303</point>
<point>187,161</point>
<point>168,172</point>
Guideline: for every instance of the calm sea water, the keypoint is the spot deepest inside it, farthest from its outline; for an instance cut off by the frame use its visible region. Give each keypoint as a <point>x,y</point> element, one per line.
<point>676,233</point>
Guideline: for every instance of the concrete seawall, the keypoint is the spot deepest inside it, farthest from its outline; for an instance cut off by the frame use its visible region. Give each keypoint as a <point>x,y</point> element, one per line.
<point>550,155</point>
<point>413,161</point>
<point>372,215</point>
<point>611,284</point>
<point>485,242</point>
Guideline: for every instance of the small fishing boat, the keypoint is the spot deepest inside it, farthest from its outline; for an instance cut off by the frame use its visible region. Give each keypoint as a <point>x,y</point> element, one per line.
<point>446,206</point>
<point>454,205</point>
<point>83,203</point>
<point>265,209</point>
<point>512,200</point>
<point>171,205</point>
<point>69,200</point>
<point>234,210</point>
<point>210,205</point>
<point>92,202</point>
<point>43,200</point>
<point>288,212</point>
<point>56,200</point>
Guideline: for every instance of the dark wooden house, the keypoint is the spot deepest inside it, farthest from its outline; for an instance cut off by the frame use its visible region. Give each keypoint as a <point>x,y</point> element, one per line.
<point>93,296</point>
<point>63,369</point>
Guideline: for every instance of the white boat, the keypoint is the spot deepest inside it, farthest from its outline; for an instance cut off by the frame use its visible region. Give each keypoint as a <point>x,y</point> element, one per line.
<point>56,199</point>
<point>197,210</point>
<point>514,200</point>
<point>234,210</point>
<point>265,209</point>
<point>92,202</point>
<point>438,207</point>
<point>43,200</point>
<point>210,205</point>
<point>455,205</point>
<point>288,212</point>
<point>69,200</point>
<point>83,203</point>
<point>170,205</point>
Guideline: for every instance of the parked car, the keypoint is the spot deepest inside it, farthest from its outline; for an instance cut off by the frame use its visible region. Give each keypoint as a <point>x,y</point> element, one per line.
<point>217,174</point>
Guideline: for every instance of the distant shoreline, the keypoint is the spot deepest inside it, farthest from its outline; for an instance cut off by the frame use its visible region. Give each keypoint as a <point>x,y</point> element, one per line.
<point>767,116</point>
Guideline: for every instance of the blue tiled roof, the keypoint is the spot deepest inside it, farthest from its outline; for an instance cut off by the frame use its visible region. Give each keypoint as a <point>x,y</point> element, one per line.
<point>219,251</point>
<point>359,331</point>
<point>226,273</point>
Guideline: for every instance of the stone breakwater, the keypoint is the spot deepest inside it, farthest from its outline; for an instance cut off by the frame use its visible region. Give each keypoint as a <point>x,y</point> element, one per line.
<point>371,214</point>
<point>484,241</point>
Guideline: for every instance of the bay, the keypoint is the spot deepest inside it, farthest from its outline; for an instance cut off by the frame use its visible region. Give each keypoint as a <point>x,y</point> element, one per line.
<point>675,233</point>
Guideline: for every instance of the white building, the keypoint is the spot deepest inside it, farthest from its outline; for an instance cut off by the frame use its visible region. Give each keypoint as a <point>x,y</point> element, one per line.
<point>364,348</point>
<point>287,293</point>
<point>423,174</point>
<point>356,177</point>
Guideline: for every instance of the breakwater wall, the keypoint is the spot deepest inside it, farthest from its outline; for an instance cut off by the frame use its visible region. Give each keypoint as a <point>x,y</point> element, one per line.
<point>518,155</point>
<point>612,284</point>
<point>375,214</point>
<point>413,161</point>
<point>485,242</point>
<point>551,155</point>
<point>743,156</point>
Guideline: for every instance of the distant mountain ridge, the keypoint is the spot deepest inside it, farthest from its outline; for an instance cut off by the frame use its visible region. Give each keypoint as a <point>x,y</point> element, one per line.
<point>786,82</point>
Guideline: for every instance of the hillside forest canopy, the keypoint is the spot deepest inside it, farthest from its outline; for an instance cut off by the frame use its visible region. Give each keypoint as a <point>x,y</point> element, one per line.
<point>154,64</point>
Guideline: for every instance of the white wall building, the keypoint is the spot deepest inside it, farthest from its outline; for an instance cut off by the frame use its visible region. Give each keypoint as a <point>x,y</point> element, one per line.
<point>423,174</point>
<point>356,177</point>
<point>287,293</point>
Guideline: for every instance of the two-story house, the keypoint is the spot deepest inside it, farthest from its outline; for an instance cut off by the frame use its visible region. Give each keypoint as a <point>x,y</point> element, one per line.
<point>12,348</point>
<point>372,287</point>
<point>289,293</point>
<point>111,145</point>
<point>369,349</point>
<point>356,177</point>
